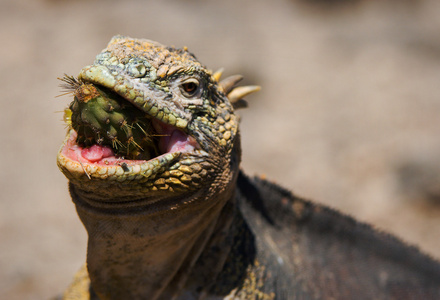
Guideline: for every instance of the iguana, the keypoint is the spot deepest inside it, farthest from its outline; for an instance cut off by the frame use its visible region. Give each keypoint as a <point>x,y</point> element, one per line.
<point>152,157</point>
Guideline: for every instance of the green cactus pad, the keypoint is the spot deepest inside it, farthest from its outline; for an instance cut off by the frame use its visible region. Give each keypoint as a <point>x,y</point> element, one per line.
<point>100,116</point>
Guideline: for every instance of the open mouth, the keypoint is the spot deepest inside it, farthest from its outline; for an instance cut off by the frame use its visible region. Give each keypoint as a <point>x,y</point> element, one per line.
<point>107,130</point>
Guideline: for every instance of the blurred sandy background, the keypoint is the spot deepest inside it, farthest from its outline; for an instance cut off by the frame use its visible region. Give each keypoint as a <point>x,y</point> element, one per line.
<point>349,114</point>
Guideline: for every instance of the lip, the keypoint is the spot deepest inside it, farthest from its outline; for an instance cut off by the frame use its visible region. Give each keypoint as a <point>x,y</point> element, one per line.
<point>77,167</point>
<point>154,103</point>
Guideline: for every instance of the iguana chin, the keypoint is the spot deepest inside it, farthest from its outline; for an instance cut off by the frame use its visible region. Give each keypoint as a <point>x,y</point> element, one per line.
<point>187,223</point>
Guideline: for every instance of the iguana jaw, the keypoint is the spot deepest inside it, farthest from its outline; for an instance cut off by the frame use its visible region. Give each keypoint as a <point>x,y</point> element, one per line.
<point>100,162</point>
<point>151,76</point>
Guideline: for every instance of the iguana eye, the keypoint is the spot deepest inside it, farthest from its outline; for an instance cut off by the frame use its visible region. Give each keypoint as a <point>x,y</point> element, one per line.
<point>189,88</point>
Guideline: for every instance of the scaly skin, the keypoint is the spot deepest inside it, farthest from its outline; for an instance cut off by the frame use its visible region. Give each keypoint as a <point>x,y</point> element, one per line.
<point>189,225</point>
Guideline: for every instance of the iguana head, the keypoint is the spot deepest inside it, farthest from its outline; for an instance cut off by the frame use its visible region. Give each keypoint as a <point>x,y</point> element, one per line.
<point>150,121</point>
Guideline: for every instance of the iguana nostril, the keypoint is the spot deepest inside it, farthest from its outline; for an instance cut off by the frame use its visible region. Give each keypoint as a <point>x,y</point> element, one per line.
<point>137,70</point>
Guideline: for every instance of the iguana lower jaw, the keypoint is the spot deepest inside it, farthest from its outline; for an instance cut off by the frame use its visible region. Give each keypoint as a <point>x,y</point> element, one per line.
<point>98,169</point>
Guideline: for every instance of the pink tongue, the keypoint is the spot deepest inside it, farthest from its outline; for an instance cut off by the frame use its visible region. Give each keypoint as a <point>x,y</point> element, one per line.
<point>177,141</point>
<point>96,153</point>
<point>172,139</point>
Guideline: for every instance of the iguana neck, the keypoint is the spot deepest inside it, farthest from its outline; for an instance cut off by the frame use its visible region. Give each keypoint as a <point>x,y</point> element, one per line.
<point>140,254</point>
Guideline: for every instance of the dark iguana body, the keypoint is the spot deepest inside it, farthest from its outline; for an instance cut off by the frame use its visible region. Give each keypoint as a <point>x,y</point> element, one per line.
<point>188,225</point>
